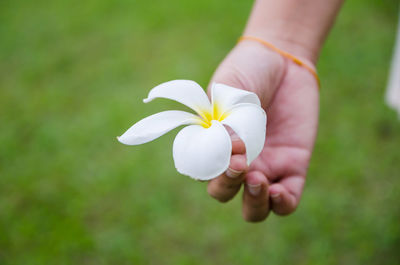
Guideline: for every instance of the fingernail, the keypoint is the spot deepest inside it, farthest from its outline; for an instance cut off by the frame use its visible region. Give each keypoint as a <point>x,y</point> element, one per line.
<point>254,189</point>
<point>233,173</point>
<point>276,197</point>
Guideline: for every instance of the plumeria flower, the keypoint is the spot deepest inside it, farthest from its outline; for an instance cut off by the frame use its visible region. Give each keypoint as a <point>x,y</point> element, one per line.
<point>203,149</point>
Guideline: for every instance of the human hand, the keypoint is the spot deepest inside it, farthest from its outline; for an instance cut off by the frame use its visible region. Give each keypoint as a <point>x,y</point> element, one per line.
<point>289,95</point>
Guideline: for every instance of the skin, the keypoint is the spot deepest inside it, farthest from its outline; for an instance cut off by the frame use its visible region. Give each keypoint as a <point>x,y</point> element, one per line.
<point>290,96</point>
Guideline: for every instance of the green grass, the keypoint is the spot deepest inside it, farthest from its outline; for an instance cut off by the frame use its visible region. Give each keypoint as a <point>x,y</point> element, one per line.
<point>72,76</point>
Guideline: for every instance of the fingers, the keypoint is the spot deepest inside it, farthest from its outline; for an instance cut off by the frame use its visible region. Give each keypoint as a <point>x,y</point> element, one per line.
<point>255,197</point>
<point>238,146</point>
<point>285,195</point>
<point>228,184</point>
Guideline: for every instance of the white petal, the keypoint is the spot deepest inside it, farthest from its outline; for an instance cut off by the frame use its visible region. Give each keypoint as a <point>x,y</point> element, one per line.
<point>156,125</point>
<point>226,97</point>
<point>249,121</point>
<point>202,153</point>
<point>186,92</point>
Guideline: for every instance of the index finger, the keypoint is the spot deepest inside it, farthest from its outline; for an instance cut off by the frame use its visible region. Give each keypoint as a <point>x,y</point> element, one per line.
<point>238,146</point>
<point>225,186</point>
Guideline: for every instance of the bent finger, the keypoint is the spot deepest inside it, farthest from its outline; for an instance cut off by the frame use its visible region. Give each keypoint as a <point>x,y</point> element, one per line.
<point>238,146</point>
<point>255,197</point>
<point>225,187</point>
<point>285,195</point>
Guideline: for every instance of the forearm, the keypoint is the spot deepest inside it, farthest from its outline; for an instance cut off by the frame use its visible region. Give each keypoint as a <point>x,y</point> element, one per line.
<point>297,26</point>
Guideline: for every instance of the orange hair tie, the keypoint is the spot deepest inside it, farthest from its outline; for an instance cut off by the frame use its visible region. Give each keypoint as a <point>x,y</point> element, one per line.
<point>284,54</point>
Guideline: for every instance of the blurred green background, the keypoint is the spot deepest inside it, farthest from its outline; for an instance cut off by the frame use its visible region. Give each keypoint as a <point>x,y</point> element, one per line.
<point>72,76</point>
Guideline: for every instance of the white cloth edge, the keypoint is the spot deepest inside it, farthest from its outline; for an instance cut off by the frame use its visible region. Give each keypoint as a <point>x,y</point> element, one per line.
<point>392,96</point>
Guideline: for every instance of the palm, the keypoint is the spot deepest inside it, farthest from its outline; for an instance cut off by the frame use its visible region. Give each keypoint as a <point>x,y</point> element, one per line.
<point>289,94</point>
<point>292,126</point>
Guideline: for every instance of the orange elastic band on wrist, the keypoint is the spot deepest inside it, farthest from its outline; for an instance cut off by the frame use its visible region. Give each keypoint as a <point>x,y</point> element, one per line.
<point>284,54</point>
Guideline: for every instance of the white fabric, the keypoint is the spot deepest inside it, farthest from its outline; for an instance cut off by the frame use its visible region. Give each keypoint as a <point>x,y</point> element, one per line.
<point>393,88</point>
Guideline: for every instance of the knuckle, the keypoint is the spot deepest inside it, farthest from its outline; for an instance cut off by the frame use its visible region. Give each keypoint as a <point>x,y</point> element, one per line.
<point>224,199</point>
<point>284,211</point>
<point>258,204</point>
<point>219,196</point>
<point>228,185</point>
<point>211,190</point>
<point>255,218</point>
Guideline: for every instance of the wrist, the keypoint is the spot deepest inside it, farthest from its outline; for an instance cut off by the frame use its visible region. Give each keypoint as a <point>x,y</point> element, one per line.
<point>297,27</point>
<point>293,40</point>
<point>301,62</point>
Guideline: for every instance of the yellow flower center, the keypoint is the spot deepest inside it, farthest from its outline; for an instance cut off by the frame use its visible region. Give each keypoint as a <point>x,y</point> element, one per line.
<point>216,113</point>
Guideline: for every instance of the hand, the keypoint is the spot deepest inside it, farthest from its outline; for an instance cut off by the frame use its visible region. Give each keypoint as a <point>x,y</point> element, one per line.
<point>289,95</point>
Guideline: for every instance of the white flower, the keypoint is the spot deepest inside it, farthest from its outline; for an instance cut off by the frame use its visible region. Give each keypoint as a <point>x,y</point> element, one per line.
<point>203,149</point>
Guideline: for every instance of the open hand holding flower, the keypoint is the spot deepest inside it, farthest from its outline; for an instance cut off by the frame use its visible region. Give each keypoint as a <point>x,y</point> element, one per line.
<point>289,94</point>
<point>203,149</point>
<point>273,169</point>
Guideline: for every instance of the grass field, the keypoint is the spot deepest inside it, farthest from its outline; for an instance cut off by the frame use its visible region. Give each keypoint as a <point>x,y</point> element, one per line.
<point>72,76</point>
